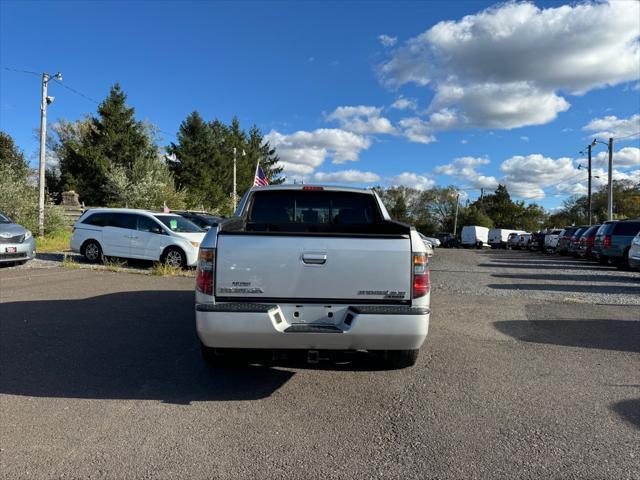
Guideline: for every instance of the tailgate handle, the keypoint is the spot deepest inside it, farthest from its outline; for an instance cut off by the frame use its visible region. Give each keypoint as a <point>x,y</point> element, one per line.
<point>314,258</point>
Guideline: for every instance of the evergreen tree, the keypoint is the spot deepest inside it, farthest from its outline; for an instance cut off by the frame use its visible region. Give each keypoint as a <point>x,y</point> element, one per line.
<point>197,162</point>
<point>203,163</point>
<point>88,149</point>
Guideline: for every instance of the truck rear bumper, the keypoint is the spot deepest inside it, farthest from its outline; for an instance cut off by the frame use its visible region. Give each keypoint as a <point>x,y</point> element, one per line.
<point>250,325</point>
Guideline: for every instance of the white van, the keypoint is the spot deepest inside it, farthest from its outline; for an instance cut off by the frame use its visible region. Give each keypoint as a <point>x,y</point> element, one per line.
<point>474,236</point>
<point>498,237</point>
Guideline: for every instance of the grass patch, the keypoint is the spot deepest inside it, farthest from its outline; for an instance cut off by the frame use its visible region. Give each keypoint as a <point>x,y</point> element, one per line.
<point>54,242</point>
<point>113,264</point>
<point>69,262</point>
<point>163,270</point>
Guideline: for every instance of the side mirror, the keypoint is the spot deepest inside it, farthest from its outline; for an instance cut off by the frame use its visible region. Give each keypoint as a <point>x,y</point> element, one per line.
<point>207,227</point>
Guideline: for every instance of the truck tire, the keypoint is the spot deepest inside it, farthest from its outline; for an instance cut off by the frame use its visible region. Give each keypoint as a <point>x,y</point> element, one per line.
<point>402,358</point>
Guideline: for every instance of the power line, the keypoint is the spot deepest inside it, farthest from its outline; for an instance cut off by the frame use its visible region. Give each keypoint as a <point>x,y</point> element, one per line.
<point>627,136</point>
<point>73,90</point>
<point>22,71</point>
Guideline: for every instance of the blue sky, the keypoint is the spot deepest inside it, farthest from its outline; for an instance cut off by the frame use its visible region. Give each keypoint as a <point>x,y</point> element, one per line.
<point>417,93</point>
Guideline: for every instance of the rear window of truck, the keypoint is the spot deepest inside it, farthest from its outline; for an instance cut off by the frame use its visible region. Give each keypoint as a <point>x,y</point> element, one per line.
<point>313,211</point>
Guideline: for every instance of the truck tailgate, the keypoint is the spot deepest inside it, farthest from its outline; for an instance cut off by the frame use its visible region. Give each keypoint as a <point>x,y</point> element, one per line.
<point>292,268</point>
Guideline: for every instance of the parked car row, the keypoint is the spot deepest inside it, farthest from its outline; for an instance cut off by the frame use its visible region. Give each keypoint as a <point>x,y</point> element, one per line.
<point>615,242</point>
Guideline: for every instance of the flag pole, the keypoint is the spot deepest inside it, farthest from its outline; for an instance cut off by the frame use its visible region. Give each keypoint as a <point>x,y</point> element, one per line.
<point>234,179</point>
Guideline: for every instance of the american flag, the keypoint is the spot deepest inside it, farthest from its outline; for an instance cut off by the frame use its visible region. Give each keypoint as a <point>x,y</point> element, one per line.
<point>261,179</point>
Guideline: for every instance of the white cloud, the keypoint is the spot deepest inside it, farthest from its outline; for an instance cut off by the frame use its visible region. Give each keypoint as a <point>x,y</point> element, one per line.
<point>524,138</point>
<point>417,130</point>
<point>413,180</point>
<point>625,157</point>
<point>612,126</point>
<point>465,168</point>
<point>527,176</point>
<point>361,119</point>
<point>387,41</point>
<point>505,66</point>
<point>346,176</point>
<point>600,176</point>
<point>404,103</point>
<point>495,105</point>
<point>571,189</point>
<point>303,152</point>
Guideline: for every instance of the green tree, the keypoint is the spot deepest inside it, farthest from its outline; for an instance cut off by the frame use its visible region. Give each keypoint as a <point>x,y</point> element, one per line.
<point>12,158</point>
<point>197,162</point>
<point>474,215</point>
<point>19,191</point>
<point>203,163</point>
<point>147,184</point>
<point>87,149</point>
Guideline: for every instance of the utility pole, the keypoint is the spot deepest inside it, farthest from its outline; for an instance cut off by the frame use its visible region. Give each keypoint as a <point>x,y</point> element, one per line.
<point>589,187</point>
<point>234,179</point>
<point>46,100</point>
<point>455,219</point>
<point>610,183</point>
<point>43,153</point>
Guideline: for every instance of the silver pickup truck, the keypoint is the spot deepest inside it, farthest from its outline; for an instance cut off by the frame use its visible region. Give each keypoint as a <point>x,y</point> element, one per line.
<point>312,268</point>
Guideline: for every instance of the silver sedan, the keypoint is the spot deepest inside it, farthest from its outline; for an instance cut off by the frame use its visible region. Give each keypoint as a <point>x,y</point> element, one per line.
<point>16,242</point>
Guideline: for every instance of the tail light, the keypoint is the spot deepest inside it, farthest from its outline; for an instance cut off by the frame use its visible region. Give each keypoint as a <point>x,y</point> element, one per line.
<point>204,271</point>
<point>590,240</point>
<point>606,243</point>
<point>421,281</point>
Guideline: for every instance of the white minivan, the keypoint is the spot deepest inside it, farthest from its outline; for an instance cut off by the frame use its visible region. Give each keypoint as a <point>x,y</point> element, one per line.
<point>129,233</point>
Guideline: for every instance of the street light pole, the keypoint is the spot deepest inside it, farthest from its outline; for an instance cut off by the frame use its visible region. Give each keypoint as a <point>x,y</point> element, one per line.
<point>610,182</point>
<point>43,153</point>
<point>589,188</point>
<point>46,100</point>
<point>455,219</point>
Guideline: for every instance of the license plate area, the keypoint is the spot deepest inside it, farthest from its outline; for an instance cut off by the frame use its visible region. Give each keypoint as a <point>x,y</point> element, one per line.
<point>310,314</point>
<point>10,249</point>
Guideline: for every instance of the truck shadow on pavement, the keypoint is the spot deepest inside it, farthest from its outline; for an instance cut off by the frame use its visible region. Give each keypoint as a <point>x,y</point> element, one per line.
<point>628,410</point>
<point>568,277</point>
<point>619,335</point>
<point>545,266</point>
<point>129,345</point>
<point>557,287</point>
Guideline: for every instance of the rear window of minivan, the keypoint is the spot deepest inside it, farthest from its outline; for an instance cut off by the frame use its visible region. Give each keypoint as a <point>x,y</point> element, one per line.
<point>604,228</point>
<point>626,228</point>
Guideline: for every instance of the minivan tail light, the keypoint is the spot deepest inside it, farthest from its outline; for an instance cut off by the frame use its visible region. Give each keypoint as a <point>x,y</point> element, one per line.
<point>205,270</point>
<point>421,280</point>
<point>606,243</point>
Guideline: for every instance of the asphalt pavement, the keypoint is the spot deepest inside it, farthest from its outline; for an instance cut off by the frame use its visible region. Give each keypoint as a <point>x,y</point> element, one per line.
<point>524,374</point>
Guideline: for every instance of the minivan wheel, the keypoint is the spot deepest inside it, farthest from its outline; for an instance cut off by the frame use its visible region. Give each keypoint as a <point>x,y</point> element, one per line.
<point>624,261</point>
<point>402,358</point>
<point>174,257</point>
<point>92,251</point>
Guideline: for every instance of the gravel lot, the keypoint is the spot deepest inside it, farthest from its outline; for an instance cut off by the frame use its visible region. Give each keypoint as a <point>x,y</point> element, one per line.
<point>531,370</point>
<point>536,276</point>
